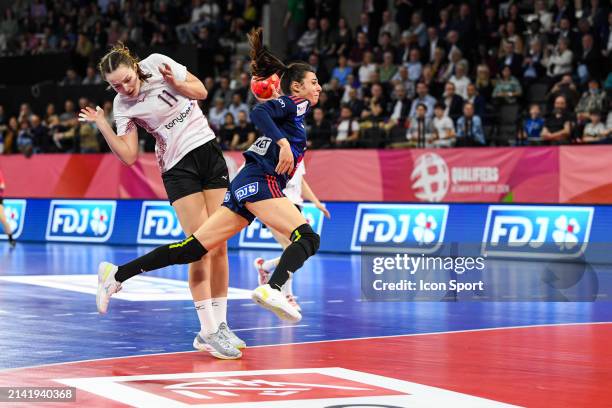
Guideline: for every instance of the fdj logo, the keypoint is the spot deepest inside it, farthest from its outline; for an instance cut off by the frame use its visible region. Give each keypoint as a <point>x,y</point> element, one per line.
<point>247,191</point>
<point>537,232</point>
<point>80,221</point>
<point>256,236</point>
<point>14,211</point>
<point>389,227</point>
<point>158,224</point>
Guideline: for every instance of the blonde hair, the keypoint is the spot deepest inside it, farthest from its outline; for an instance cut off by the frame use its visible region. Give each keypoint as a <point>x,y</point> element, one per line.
<point>120,55</point>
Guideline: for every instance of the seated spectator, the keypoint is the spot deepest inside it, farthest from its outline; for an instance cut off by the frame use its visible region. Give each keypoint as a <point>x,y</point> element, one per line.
<point>509,57</point>
<point>420,132</point>
<point>453,102</point>
<point>342,71</point>
<point>238,106</point>
<point>91,77</point>
<point>483,82</point>
<point>558,125</point>
<point>401,78</point>
<point>308,41</point>
<point>566,88</point>
<point>326,40</point>
<point>560,61</point>
<point>595,131</point>
<point>319,68</point>
<point>594,99</point>
<point>319,130</point>
<point>507,89</point>
<point>589,61</point>
<point>10,136</point>
<point>347,130</point>
<point>244,133</point>
<point>415,68</point>
<point>469,128</point>
<point>460,80</point>
<point>25,140</point>
<point>533,65</point>
<point>374,126</point>
<point>530,131</point>
<point>358,50</point>
<point>216,115</point>
<point>389,26</point>
<point>477,100</point>
<point>366,69</point>
<point>424,98</point>
<point>226,134</point>
<point>384,45</point>
<point>71,78</point>
<point>354,103</point>
<point>388,69</point>
<point>443,128</point>
<point>40,136</point>
<point>400,106</point>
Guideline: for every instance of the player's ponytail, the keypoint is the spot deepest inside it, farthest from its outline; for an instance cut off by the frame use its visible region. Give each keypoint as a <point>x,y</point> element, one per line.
<point>120,55</point>
<point>264,63</point>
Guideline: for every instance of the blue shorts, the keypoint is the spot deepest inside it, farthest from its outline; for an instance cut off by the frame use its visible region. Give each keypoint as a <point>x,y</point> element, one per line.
<point>250,185</point>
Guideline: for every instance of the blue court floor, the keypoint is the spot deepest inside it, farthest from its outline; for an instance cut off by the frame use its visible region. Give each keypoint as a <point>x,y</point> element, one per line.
<point>47,316</point>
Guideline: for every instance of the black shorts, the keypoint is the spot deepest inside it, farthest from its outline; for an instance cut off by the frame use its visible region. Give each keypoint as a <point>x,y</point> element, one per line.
<point>1,201</point>
<point>203,168</point>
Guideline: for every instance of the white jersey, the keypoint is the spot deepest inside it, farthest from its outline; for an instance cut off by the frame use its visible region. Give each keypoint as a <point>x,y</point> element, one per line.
<point>293,189</point>
<point>176,122</point>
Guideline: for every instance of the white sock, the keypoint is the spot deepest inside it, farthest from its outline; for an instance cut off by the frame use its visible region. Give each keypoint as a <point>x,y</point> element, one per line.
<point>208,323</point>
<point>271,264</point>
<point>219,306</point>
<point>287,288</point>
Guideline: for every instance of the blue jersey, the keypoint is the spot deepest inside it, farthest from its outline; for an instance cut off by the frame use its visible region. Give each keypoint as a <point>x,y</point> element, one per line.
<point>277,119</point>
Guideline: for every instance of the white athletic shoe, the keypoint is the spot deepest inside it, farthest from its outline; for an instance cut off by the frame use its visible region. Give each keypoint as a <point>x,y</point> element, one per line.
<point>264,275</point>
<point>218,345</point>
<point>231,336</point>
<point>107,285</point>
<point>276,302</point>
<point>293,302</point>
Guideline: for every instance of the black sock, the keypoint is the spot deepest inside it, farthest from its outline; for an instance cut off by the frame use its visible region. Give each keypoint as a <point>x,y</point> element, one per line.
<point>304,244</point>
<point>184,252</point>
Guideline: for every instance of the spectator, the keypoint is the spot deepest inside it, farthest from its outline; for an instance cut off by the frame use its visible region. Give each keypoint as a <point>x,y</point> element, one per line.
<point>400,107</point>
<point>417,28</point>
<point>358,51</point>
<point>469,128</point>
<point>461,81</point>
<point>223,91</point>
<point>414,66</point>
<point>384,45</point>
<point>308,41</point>
<point>40,136</point>
<point>443,128</point>
<point>342,71</point>
<point>10,136</point>
<point>319,130</point>
<point>347,129</point>
<point>423,97</point>
<point>344,39</point>
<point>401,78</point>
<point>531,128</point>
<point>566,88</point>
<point>366,28</point>
<point>389,26</point>
<point>320,70</point>
<point>420,132</point>
<point>594,99</point>
<point>590,61</point>
<point>533,64</point>
<point>238,106</point>
<point>367,68</point>
<point>452,101</point>
<point>558,125</point>
<point>595,131</point>
<point>509,57</point>
<point>326,40</point>
<point>226,135</point>
<point>560,60</point>
<point>433,42</point>
<point>92,77</point>
<point>388,69</point>
<point>507,89</point>
<point>244,133</point>
<point>354,103</point>
<point>483,83</point>
<point>71,78</point>
<point>216,115</point>
<point>25,140</point>
<point>477,100</point>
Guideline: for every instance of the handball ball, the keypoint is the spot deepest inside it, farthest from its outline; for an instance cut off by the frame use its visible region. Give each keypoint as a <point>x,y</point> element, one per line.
<point>264,88</point>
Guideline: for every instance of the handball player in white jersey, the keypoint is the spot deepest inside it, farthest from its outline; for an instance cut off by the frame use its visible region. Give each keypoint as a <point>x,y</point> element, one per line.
<point>297,190</point>
<point>160,95</point>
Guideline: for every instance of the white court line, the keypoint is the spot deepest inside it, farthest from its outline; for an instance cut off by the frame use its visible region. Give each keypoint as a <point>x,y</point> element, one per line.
<point>323,341</point>
<point>270,327</point>
<point>335,301</point>
<point>160,310</point>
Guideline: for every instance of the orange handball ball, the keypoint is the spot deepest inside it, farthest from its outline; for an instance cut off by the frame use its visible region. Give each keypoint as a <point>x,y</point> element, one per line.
<point>264,88</point>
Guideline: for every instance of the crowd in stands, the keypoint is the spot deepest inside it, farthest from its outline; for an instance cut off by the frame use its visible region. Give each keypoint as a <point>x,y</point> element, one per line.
<point>423,73</point>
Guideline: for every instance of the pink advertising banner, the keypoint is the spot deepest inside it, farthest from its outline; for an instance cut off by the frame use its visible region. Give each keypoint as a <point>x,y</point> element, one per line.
<point>572,174</point>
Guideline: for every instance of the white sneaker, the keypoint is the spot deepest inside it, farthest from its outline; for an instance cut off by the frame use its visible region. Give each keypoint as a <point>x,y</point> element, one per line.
<point>276,302</point>
<point>217,345</point>
<point>107,285</point>
<point>293,302</point>
<point>231,336</point>
<point>264,275</point>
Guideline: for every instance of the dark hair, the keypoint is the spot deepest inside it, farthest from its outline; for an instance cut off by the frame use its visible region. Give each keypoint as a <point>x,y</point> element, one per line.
<point>120,55</point>
<point>439,105</point>
<point>423,105</point>
<point>265,64</point>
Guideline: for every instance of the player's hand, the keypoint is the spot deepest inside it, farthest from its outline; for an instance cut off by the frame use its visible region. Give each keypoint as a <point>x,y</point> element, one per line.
<point>166,72</point>
<point>323,209</point>
<point>285,158</point>
<point>91,115</point>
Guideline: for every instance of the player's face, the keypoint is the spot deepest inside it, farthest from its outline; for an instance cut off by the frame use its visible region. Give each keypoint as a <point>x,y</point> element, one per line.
<point>124,80</point>
<point>309,88</point>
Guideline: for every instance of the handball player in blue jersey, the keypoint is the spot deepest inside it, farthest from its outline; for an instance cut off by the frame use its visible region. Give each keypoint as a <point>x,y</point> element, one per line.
<point>256,191</point>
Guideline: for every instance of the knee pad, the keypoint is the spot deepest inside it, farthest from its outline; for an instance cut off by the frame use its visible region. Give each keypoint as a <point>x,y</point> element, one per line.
<point>187,251</point>
<point>307,238</point>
